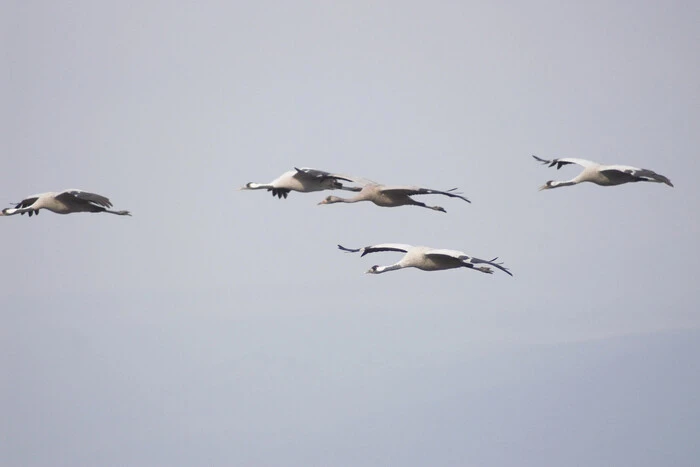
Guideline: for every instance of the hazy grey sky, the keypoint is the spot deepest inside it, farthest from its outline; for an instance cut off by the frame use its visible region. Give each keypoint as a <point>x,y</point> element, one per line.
<point>222,327</point>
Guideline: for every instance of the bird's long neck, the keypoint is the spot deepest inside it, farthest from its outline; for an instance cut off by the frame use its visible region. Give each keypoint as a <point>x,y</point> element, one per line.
<point>354,199</point>
<point>13,211</point>
<point>257,186</point>
<point>392,267</point>
<point>557,184</point>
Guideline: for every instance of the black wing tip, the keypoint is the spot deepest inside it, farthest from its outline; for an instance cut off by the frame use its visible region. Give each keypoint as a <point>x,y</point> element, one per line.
<point>551,163</point>
<point>544,161</point>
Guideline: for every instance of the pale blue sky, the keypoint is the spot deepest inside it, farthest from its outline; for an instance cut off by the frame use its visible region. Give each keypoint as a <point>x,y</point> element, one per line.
<point>224,327</point>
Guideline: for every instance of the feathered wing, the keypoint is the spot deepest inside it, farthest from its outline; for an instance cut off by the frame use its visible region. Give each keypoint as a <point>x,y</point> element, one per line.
<point>93,198</point>
<point>25,203</point>
<point>376,248</point>
<point>320,175</point>
<point>351,178</point>
<point>643,174</point>
<point>467,259</point>
<point>565,161</point>
<point>28,201</point>
<point>415,190</point>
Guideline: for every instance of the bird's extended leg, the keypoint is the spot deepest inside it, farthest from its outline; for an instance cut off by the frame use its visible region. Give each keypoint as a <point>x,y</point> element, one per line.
<point>484,269</point>
<point>118,213</point>
<point>423,205</point>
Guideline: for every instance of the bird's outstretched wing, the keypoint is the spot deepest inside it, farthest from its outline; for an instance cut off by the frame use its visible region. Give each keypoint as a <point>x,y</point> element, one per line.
<point>93,198</point>
<point>26,202</point>
<point>467,259</point>
<point>415,190</point>
<point>641,174</point>
<point>565,161</point>
<point>376,248</point>
<point>348,178</point>
<point>320,175</point>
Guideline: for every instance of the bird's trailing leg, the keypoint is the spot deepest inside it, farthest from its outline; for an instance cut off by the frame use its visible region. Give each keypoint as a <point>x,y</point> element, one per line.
<point>118,213</point>
<point>484,269</point>
<point>423,205</point>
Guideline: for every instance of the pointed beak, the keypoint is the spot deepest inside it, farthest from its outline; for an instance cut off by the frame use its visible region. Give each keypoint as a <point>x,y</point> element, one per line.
<point>543,187</point>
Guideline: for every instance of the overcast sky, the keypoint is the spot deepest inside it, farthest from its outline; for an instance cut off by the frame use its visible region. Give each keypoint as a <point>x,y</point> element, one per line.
<point>223,327</point>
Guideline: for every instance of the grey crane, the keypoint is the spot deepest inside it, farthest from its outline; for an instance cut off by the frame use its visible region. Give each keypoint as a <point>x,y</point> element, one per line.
<point>393,196</point>
<point>64,202</point>
<point>604,175</point>
<point>426,259</point>
<point>304,180</point>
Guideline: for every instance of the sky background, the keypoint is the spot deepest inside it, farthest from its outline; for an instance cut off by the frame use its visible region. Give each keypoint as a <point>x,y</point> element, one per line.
<point>223,327</point>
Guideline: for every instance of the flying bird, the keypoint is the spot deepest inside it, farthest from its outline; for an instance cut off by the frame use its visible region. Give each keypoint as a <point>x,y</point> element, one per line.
<point>426,259</point>
<point>64,202</point>
<point>393,196</point>
<point>303,180</point>
<point>604,175</point>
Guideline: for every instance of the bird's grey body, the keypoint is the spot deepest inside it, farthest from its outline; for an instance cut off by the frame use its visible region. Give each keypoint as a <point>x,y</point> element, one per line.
<point>393,196</point>
<point>426,258</point>
<point>603,175</point>
<point>63,202</point>
<point>304,180</point>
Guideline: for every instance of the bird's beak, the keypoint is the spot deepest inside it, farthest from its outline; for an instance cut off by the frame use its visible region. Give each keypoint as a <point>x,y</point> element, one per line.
<point>543,187</point>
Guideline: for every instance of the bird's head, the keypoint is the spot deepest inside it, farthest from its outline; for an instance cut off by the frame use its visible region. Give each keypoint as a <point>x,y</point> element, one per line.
<point>246,186</point>
<point>547,185</point>
<point>374,270</point>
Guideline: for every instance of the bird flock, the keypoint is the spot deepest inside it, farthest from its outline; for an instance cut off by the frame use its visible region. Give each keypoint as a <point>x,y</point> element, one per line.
<point>307,180</point>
